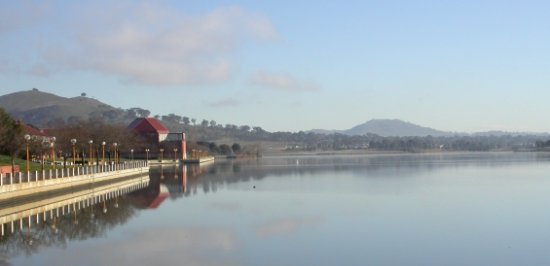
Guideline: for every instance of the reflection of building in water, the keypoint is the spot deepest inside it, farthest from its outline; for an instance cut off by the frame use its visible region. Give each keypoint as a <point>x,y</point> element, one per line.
<point>163,194</point>
<point>167,182</point>
<point>16,216</point>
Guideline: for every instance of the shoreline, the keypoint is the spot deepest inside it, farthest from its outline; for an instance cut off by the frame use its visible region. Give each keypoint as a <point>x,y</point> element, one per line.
<point>388,153</point>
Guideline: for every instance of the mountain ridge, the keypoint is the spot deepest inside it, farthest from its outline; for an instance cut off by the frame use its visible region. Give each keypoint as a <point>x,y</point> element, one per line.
<point>388,128</point>
<point>42,108</point>
<point>394,128</point>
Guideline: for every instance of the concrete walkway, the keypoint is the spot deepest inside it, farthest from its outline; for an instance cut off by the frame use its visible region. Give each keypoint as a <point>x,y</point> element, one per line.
<point>23,185</point>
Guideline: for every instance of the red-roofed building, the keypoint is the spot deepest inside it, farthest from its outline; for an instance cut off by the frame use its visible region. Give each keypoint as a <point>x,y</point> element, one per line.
<point>34,132</point>
<point>158,135</point>
<point>149,128</point>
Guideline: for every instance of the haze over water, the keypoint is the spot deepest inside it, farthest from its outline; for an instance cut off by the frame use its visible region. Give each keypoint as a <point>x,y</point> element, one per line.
<point>448,209</point>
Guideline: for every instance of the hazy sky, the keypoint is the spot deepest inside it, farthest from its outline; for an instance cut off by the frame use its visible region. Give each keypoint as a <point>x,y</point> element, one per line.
<point>291,65</point>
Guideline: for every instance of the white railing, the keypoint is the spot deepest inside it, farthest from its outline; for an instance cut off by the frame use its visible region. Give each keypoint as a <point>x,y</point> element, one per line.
<point>34,176</point>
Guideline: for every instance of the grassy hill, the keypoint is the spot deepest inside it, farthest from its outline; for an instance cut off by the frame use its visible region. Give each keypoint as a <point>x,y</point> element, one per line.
<point>45,109</point>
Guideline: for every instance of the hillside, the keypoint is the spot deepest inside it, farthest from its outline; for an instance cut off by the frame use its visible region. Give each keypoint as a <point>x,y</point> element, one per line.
<point>393,127</point>
<point>27,100</point>
<point>44,109</point>
<point>387,128</point>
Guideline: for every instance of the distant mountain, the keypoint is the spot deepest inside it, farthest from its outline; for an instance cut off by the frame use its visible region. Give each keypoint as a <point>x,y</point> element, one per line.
<point>394,127</point>
<point>45,109</point>
<point>386,128</point>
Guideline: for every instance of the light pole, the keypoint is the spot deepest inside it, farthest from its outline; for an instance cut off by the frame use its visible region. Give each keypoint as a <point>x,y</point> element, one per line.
<point>91,159</point>
<point>27,138</point>
<point>175,153</point>
<point>103,152</point>
<point>73,141</point>
<point>116,153</point>
<point>161,154</point>
<point>52,155</point>
<point>64,158</point>
<point>147,154</point>
<point>132,153</point>
<point>52,145</point>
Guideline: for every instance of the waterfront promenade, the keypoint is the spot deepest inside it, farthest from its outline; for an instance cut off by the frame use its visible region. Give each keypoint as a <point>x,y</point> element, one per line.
<point>21,215</point>
<point>38,182</point>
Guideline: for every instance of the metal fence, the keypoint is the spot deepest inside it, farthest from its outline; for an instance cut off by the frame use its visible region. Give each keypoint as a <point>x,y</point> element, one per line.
<point>34,176</point>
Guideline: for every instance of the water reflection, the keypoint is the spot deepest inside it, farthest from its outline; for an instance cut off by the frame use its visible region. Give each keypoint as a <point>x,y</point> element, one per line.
<point>28,226</point>
<point>189,180</point>
<point>234,212</point>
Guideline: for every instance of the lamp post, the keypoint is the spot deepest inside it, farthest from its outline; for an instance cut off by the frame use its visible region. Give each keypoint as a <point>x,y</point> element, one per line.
<point>175,153</point>
<point>73,141</point>
<point>116,153</point>
<point>91,159</point>
<point>64,158</point>
<point>147,154</point>
<point>97,156</point>
<point>132,154</point>
<point>161,154</point>
<point>52,155</point>
<point>103,152</point>
<point>52,145</point>
<point>27,138</point>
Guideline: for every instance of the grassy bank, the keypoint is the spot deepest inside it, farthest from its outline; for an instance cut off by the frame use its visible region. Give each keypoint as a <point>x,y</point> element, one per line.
<point>6,161</point>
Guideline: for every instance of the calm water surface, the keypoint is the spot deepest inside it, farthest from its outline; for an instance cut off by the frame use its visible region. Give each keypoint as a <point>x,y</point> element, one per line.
<point>451,209</point>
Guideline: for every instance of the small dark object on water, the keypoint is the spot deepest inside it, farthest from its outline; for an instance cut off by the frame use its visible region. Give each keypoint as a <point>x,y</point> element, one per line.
<point>253,186</point>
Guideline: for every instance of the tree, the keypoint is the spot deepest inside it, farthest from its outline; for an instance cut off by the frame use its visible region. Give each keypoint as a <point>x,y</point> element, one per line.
<point>204,123</point>
<point>11,136</point>
<point>194,121</point>
<point>130,115</point>
<point>185,120</point>
<point>171,118</point>
<point>213,147</point>
<point>212,123</point>
<point>245,128</point>
<point>236,147</point>
<point>225,149</point>
<point>258,130</point>
<point>140,112</point>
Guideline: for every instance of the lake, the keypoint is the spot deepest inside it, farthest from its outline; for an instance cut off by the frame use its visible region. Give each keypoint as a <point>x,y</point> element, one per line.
<point>429,209</point>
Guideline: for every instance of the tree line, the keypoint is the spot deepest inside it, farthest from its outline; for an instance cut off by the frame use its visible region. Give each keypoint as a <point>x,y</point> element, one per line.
<point>203,136</point>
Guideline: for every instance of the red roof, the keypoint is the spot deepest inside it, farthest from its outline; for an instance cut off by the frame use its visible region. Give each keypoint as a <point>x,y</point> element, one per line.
<point>158,200</point>
<point>148,125</point>
<point>33,131</point>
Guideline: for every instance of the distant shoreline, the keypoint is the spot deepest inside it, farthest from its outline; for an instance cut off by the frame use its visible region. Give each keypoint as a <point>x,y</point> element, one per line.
<point>384,153</point>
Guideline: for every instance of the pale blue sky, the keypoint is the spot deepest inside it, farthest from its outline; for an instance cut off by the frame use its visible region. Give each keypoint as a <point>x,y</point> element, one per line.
<point>288,65</point>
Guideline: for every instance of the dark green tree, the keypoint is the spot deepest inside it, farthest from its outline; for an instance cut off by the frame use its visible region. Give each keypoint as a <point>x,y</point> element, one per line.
<point>185,120</point>
<point>225,149</point>
<point>213,123</point>
<point>11,136</point>
<point>236,147</point>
